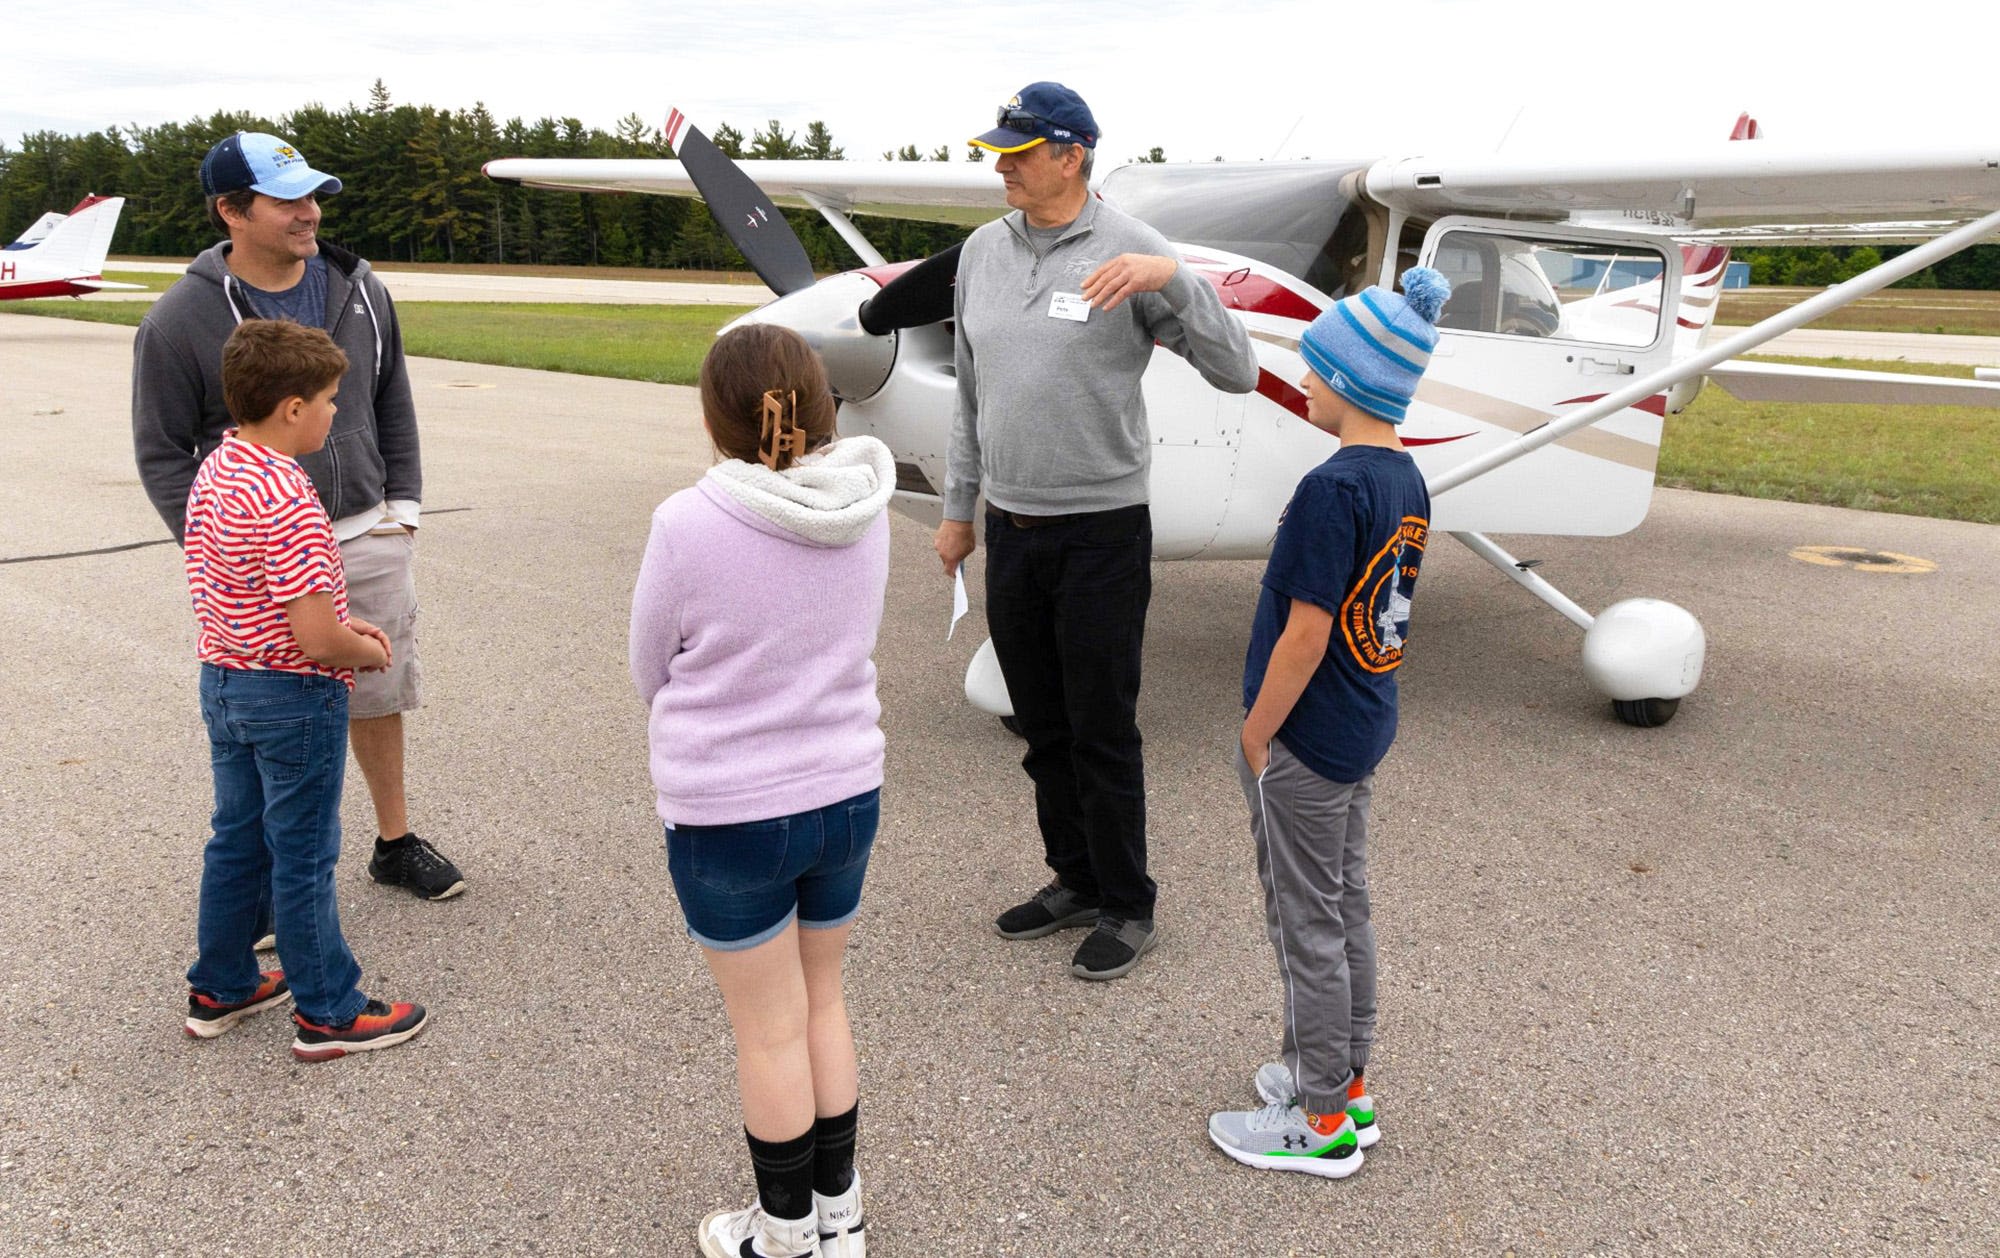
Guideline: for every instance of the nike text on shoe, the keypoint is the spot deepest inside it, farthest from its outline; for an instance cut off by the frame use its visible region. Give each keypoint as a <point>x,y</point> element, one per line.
<point>208,1017</point>
<point>1114,948</point>
<point>379,1025</point>
<point>842,1230</point>
<point>411,862</point>
<point>1053,908</point>
<point>750,1233</point>
<point>1285,1138</point>
<point>1274,1086</point>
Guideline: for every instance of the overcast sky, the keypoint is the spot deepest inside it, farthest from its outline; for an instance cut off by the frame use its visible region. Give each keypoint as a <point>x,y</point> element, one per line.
<point>1251,79</point>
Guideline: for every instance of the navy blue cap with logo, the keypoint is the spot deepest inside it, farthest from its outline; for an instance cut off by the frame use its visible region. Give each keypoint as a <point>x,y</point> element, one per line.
<point>1040,112</point>
<point>262,163</point>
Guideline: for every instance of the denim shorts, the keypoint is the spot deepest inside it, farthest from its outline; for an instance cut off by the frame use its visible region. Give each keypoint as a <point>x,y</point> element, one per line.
<point>741,885</point>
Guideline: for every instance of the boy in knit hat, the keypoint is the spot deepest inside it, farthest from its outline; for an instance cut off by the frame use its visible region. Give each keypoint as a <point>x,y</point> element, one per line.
<point>1322,712</point>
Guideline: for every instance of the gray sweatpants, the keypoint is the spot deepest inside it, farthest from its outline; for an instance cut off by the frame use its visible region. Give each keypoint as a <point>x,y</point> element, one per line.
<point>1312,857</point>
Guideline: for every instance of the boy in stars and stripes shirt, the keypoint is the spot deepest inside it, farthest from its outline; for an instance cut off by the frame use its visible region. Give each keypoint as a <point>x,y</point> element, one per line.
<point>278,653</point>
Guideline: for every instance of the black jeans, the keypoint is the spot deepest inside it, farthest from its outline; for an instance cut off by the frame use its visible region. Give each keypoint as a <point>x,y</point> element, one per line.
<point>1066,604</point>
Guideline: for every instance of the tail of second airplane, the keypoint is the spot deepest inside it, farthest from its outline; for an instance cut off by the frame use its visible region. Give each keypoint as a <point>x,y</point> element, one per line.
<point>1703,268</point>
<point>79,243</point>
<point>37,230</point>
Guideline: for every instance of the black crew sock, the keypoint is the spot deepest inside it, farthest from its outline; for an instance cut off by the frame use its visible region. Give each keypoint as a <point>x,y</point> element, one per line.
<point>784,1174</point>
<point>833,1158</point>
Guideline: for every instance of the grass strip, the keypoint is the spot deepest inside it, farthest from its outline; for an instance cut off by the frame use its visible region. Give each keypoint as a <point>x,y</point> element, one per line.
<point>661,344</point>
<point>1941,461</point>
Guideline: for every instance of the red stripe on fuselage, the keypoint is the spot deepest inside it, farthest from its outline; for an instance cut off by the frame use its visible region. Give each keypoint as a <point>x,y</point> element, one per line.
<point>1245,290</point>
<point>42,288</point>
<point>1289,397</point>
<point>1654,405</point>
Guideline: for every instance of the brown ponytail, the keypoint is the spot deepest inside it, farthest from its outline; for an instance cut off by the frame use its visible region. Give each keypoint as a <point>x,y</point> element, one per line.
<point>765,397</point>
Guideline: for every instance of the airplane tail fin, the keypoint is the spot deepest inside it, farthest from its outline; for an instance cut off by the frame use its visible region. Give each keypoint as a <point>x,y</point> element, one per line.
<point>79,243</point>
<point>37,231</point>
<point>1703,266</point>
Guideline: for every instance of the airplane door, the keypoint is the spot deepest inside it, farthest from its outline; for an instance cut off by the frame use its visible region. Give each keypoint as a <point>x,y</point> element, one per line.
<point>1543,319</point>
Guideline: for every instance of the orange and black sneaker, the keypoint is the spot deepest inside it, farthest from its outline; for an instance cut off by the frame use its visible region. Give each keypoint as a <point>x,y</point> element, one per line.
<point>1361,1108</point>
<point>209,1017</point>
<point>379,1025</point>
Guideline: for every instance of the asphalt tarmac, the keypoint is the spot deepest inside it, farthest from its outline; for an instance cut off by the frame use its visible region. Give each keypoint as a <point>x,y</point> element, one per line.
<point>1727,986</point>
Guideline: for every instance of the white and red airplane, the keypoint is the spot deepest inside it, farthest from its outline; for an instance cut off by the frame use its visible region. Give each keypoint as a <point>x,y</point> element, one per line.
<point>1557,363</point>
<point>62,255</point>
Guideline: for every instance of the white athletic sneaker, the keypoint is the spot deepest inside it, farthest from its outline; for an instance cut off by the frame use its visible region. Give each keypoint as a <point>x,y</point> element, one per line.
<point>1274,1086</point>
<point>1279,1137</point>
<point>750,1233</point>
<point>842,1230</point>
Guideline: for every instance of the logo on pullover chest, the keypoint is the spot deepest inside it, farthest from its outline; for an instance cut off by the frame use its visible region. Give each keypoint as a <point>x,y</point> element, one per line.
<point>1077,270</point>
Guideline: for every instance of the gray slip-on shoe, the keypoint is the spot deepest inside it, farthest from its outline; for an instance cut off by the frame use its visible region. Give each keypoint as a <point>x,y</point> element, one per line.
<point>1053,908</point>
<point>1114,948</point>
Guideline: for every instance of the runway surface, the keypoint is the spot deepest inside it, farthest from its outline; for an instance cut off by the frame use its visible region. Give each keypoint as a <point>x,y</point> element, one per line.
<point>1728,986</point>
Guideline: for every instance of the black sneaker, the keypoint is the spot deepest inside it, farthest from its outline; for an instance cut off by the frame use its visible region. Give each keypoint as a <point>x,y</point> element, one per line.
<point>411,862</point>
<point>1114,947</point>
<point>208,1017</point>
<point>1055,907</point>
<point>380,1024</point>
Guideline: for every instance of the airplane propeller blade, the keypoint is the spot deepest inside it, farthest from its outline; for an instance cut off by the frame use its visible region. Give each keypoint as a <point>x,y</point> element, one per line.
<point>920,295</point>
<point>752,223</point>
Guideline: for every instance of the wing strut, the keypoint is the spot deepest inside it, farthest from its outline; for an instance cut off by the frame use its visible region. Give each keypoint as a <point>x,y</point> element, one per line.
<point>1525,577</point>
<point>869,255</point>
<point>1741,343</point>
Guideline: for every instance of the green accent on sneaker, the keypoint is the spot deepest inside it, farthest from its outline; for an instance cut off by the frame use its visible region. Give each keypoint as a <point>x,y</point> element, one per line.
<point>1362,1117</point>
<point>1334,1148</point>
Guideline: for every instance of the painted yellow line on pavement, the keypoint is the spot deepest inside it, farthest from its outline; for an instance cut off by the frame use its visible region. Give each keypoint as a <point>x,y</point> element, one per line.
<point>1863,560</point>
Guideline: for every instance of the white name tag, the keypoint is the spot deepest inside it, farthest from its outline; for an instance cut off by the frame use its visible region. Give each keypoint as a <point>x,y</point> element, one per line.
<point>1070,306</point>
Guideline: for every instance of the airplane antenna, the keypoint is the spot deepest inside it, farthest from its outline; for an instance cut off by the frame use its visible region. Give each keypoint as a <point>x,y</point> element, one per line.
<point>1287,140</point>
<point>1510,127</point>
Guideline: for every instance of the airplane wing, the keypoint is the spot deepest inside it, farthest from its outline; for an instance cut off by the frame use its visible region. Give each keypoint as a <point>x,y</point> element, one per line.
<point>107,285</point>
<point>1724,193</point>
<point>952,192</point>
<point>1785,382</point>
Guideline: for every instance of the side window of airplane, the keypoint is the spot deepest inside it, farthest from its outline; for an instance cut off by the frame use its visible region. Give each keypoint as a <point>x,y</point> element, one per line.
<point>1521,286</point>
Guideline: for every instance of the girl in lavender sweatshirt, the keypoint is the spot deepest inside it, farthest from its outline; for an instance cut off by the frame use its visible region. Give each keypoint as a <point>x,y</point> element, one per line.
<point>753,624</point>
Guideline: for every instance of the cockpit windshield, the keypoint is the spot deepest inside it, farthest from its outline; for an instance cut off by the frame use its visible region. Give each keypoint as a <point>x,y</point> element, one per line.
<point>1290,215</point>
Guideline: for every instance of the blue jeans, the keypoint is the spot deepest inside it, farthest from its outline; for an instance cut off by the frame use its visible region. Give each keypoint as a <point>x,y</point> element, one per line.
<point>278,747</point>
<point>741,885</point>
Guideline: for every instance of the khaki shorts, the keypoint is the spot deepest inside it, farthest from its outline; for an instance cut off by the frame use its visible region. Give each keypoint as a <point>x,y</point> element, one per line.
<point>382,589</point>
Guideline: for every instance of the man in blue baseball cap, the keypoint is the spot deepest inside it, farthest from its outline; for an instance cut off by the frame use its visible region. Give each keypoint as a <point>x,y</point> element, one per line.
<point>263,195</point>
<point>1059,307</point>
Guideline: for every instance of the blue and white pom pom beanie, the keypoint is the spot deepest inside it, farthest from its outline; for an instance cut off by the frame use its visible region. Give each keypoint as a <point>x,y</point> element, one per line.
<point>1372,348</point>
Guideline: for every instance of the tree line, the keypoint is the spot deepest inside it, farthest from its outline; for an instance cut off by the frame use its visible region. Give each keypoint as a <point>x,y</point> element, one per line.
<point>414,193</point>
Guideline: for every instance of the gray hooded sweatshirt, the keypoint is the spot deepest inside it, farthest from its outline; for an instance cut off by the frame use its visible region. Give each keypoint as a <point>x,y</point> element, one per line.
<point>178,416</point>
<point>1049,418</point>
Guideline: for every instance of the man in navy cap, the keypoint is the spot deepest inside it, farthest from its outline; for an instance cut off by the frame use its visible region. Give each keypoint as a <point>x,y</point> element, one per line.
<point>1059,307</point>
<point>264,195</point>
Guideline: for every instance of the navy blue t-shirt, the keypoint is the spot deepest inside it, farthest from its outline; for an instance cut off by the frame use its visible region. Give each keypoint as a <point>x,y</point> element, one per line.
<point>1351,541</point>
<point>303,303</point>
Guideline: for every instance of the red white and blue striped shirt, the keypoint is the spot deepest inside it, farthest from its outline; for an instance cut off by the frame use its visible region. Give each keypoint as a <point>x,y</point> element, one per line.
<point>258,538</point>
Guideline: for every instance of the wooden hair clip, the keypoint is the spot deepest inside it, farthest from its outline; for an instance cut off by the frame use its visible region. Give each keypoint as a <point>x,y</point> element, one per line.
<point>780,434</point>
